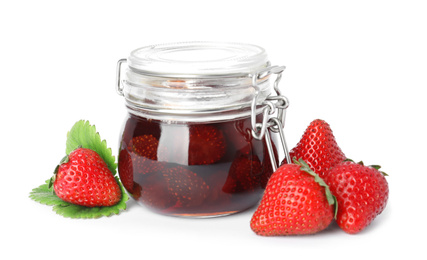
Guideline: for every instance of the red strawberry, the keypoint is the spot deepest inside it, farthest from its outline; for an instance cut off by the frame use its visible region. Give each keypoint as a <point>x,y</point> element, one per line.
<point>145,146</point>
<point>244,175</point>
<point>296,201</point>
<point>361,191</point>
<point>143,151</point>
<point>154,192</point>
<point>83,178</point>
<point>126,170</point>
<point>140,157</point>
<point>207,145</point>
<point>318,148</point>
<point>186,186</point>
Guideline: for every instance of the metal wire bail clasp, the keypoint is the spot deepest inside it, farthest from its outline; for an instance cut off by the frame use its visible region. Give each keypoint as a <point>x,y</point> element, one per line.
<point>119,86</point>
<point>273,114</point>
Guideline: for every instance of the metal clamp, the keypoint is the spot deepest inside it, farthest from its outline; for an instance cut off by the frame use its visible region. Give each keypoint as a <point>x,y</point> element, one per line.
<point>119,87</point>
<point>279,127</point>
<point>272,105</point>
<point>267,72</point>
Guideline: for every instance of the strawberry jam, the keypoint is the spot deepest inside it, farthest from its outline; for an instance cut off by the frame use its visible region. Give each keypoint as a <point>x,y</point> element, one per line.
<point>193,169</point>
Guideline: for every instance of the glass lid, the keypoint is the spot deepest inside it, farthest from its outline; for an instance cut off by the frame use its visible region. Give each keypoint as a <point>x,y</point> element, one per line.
<point>198,59</point>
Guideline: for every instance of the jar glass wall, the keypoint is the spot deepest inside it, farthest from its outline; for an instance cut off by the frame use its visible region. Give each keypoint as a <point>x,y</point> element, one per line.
<point>187,145</point>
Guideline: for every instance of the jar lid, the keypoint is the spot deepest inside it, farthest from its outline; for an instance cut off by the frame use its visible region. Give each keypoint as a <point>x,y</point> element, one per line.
<point>198,59</point>
<point>196,81</point>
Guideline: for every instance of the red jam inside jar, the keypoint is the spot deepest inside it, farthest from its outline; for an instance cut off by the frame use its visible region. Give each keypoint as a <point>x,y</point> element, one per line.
<point>193,169</point>
<point>187,147</point>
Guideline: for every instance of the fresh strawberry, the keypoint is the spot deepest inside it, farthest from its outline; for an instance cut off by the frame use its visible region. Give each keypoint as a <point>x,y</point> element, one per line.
<point>361,192</point>
<point>83,178</point>
<point>296,201</point>
<point>186,186</point>
<point>207,145</point>
<point>244,175</point>
<point>318,148</point>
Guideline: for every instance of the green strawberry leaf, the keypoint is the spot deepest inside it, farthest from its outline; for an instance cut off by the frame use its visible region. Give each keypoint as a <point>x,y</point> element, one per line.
<point>45,195</point>
<point>82,134</point>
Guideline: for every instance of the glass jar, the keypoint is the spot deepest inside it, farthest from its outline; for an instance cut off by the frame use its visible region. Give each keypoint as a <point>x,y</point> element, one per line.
<point>196,141</point>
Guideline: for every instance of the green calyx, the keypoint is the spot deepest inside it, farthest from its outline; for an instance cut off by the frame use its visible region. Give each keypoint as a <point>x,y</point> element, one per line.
<point>332,200</point>
<point>376,167</point>
<point>65,159</point>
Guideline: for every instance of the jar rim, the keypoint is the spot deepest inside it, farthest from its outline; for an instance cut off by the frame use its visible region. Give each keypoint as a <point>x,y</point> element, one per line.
<point>192,99</point>
<point>198,59</point>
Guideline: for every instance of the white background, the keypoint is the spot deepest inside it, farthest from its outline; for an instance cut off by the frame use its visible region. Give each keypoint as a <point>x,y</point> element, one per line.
<point>359,65</point>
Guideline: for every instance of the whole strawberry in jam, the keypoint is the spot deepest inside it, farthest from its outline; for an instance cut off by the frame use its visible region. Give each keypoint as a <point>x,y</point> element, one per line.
<point>145,146</point>
<point>143,150</point>
<point>244,175</point>
<point>83,178</point>
<point>318,148</point>
<point>126,170</point>
<point>185,186</point>
<point>140,157</point>
<point>361,191</point>
<point>207,145</point>
<point>154,192</point>
<point>296,202</point>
